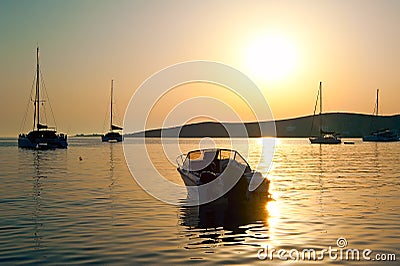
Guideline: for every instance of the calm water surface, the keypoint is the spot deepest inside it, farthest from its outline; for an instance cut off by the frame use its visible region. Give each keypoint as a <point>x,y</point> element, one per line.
<point>58,209</point>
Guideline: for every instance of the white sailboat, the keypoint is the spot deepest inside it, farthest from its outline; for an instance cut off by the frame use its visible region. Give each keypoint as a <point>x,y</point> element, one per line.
<point>324,137</point>
<point>41,136</point>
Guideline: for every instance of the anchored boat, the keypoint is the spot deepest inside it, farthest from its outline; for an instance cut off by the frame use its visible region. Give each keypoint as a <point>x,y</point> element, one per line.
<point>211,174</point>
<point>114,134</point>
<point>382,135</point>
<point>41,136</point>
<point>325,137</point>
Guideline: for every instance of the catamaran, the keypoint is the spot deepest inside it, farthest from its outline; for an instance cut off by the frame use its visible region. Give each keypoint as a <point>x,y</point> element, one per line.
<point>381,135</point>
<point>41,136</point>
<point>114,134</point>
<point>324,137</point>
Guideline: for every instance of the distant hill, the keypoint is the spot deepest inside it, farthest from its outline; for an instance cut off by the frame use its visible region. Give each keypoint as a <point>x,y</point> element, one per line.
<point>347,124</point>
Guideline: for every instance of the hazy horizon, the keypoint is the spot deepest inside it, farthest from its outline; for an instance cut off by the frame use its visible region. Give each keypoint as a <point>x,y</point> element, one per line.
<point>286,48</point>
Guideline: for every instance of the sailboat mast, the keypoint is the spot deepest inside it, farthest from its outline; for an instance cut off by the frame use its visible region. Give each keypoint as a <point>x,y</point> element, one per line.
<point>377,102</point>
<point>37,96</point>
<point>320,105</point>
<point>111,114</point>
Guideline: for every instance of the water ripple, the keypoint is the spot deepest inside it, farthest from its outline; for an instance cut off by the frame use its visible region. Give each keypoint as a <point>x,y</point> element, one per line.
<point>58,209</point>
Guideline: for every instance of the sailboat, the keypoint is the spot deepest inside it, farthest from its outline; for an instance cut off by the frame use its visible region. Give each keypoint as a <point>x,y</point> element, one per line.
<point>325,137</point>
<point>114,134</point>
<point>41,136</point>
<point>382,135</point>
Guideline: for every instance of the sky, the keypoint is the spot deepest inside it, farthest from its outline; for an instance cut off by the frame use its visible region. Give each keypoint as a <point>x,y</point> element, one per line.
<point>285,47</point>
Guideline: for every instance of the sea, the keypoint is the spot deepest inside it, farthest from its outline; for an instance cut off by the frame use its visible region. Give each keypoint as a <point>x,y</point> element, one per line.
<point>330,204</point>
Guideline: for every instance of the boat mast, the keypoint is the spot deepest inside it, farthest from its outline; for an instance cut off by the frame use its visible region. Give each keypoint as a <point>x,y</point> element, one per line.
<point>37,96</point>
<point>320,106</point>
<point>377,102</point>
<point>111,115</point>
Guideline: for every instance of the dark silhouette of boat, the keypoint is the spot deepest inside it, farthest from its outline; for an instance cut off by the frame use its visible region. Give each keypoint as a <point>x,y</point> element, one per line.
<point>114,134</point>
<point>381,135</point>
<point>324,137</point>
<point>223,174</point>
<point>41,136</point>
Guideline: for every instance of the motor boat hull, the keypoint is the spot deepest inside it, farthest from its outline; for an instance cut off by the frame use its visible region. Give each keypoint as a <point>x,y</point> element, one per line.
<point>238,194</point>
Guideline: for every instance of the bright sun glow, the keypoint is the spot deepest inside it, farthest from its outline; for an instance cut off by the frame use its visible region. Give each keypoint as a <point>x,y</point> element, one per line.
<point>271,57</point>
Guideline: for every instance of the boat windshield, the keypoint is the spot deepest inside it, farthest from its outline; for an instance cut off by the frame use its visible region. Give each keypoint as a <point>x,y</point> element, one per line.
<point>329,136</point>
<point>214,160</point>
<point>200,160</point>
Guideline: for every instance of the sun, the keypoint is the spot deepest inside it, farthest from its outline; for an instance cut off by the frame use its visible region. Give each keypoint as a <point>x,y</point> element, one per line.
<point>271,57</point>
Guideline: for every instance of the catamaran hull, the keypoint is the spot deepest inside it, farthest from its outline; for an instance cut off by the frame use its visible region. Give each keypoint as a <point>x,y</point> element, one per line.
<point>43,143</point>
<point>379,139</point>
<point>112,137</point>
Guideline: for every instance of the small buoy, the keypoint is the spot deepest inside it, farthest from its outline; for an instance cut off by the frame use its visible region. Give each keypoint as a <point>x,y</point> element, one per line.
<point>80,158</point>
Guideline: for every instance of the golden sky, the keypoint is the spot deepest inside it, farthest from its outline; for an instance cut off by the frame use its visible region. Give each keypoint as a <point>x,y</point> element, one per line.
<point>285,47</point>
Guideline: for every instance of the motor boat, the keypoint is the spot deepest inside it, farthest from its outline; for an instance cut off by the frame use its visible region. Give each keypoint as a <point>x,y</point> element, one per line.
<point>221,174</point>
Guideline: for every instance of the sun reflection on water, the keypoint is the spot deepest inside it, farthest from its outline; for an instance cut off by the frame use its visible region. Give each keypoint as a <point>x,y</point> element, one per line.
<point>273,220</point>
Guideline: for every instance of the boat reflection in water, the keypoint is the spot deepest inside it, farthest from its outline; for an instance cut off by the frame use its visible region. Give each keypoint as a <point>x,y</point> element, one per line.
<point>219,223</point>
<point>37,199</point>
